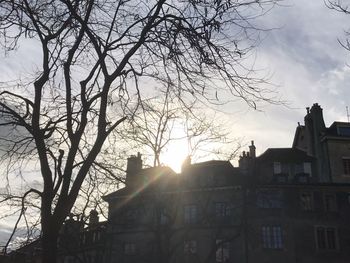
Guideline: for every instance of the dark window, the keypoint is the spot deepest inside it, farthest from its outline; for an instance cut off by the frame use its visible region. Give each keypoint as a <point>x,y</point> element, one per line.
<point>330,203</point>
<point>129,249</point>
<point>280,178</point>
<point>277,168</point>
<point>222,251</point>
<point>164,216</point>
<point>190,214</point>
<point>190,247</point>
<point>306,201</point>
<point>344,131</point>
<point>222,211</point>
<point>326,238</point>
<point>269,199</point>
<point>302,178</point>
<point>272,237</point>
<point>346,166</point>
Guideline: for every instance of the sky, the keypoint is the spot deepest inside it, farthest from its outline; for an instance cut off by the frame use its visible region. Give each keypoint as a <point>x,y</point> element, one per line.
<point>308,65</point>
<point>305,59</point>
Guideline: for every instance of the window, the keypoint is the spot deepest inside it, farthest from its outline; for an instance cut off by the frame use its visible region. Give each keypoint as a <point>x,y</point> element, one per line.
<point>306,201</point>
<point>307,169</point>
<point>190,214</point>
<point>277,168</point>
<point>326,238</point>
<point>346,166</point>
<point>222,251</point>
<point>129,249</point>
<point>164,217</point>
<point>272,237</point>
<point>344,131</point>
<point>96,236</point>
<point>269,199</point>
<point>132,214</point>
<point>330,203</point>
<point>222,211</point>
<point>190,247</point>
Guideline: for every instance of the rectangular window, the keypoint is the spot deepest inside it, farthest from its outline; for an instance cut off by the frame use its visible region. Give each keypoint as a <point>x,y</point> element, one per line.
<point>272,237</point>
<point>330,203</point>
<point>269,199</point>
<point>326,238</point>
<point>222,211</point>
<point>277,168</point>
<point>346,166</point>
<point>190,247</point>
<point>129,249</point>
<point>164,218</point>
<point>190,214</point>
<point>307,169</point>
<point>307,201</point>
<point>222,251</point>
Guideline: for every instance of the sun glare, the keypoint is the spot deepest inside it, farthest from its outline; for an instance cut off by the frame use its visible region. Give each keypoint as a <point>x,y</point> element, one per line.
<point>176,153</point>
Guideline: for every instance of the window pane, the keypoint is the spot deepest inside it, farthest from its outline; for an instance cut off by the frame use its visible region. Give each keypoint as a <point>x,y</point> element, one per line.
<point>331,238</point>
<point>330,202</point>
<point>321,238</point>
<point>306,201</point>
<point>346,166</point>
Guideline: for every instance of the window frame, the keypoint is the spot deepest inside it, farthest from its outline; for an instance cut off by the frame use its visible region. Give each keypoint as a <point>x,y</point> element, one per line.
<point>190,214</point>
<point>223,211</point>
<point>190,247</point>
<point>222,250</point>
<point>328,206</point>
<point>346,166</point>
<point>311,202</point>
<point>272,237</point>
<point>129,249</point>
<point>269,199</point>
<point>326,232</point>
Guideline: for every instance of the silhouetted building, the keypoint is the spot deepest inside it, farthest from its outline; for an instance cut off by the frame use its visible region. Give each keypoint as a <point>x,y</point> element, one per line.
<point>285,205</point>
<point>288,204</point>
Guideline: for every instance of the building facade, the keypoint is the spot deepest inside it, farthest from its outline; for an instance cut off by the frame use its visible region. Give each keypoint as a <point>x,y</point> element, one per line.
<point>287,205</point>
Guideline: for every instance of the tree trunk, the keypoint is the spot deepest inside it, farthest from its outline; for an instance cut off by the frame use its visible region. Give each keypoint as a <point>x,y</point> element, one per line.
<point>49,240</point>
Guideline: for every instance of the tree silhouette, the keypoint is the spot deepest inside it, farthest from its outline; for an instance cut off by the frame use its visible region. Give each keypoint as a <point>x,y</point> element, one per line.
<point>94,55</point>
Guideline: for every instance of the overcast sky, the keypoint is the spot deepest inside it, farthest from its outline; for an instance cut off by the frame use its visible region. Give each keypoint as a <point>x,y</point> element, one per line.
<point>307,62</point>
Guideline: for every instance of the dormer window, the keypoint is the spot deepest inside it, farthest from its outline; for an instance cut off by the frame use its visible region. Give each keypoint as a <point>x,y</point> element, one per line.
<point>344,131</point>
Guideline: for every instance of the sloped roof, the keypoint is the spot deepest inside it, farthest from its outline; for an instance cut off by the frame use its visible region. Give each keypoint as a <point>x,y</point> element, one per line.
<point>285,155</point>
<point>161,173</point>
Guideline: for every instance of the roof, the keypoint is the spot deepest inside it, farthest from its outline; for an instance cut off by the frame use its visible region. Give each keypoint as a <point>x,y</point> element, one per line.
<point>285,155</point>
<point>153,174</point>
<point>167,179</point>
<point>209,167</point>
<point>338,128</point>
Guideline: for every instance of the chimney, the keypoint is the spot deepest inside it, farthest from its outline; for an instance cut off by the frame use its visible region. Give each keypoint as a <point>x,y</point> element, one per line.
<point>186,164</point>
<point>317,117</point>
<point>252,149</point>
<point>134,164</point>
<point>93,218</point>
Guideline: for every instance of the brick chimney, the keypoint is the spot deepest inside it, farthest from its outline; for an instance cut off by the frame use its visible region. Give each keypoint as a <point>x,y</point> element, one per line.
<point>93,218</point>
<point>252,149</point>
<point>134,165</point>
<point>314,126</point>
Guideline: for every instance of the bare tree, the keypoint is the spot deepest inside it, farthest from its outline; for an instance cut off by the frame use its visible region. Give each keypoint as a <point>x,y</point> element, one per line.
<point>93,55</point>
<point>163,121</point>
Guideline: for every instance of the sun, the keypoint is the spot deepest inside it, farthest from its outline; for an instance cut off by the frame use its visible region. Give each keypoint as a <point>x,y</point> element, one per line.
<point>175,154</point>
